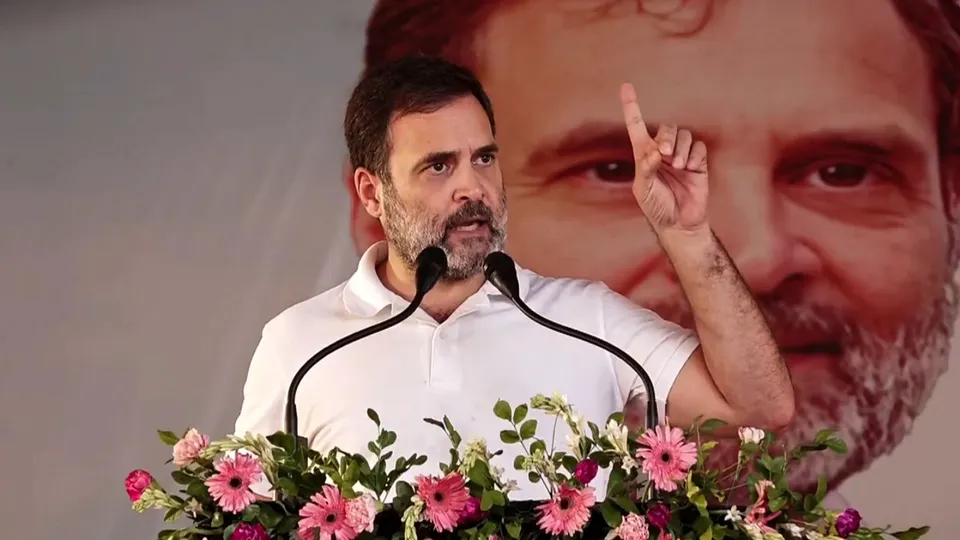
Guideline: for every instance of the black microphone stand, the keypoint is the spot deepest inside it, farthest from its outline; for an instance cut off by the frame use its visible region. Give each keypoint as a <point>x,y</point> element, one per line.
<point>500,271</point>
<point>431,266</point>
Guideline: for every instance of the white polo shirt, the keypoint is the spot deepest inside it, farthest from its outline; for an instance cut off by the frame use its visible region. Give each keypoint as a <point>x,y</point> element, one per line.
<point>485,351</point>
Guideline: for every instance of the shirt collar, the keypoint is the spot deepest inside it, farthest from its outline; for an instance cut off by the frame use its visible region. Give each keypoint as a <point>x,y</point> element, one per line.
<point>365,295</point>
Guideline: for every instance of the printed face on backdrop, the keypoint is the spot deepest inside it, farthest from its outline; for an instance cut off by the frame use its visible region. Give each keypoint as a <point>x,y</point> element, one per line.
<point>445,188</point>
<point>824,183</point>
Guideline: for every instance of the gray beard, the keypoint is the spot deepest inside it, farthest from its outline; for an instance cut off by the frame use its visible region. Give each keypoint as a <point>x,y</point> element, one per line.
<point>882,385</point>
<point>410,229</point>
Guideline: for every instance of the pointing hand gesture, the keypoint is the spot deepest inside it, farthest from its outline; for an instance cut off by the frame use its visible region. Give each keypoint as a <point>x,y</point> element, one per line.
<point>670,182</point>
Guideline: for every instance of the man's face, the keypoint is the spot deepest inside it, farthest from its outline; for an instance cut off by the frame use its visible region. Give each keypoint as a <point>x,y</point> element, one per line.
<point>824,183</point>
<point>445,187</point>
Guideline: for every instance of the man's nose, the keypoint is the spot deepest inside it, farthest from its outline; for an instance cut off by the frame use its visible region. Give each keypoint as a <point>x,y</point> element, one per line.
<point>750,218</point>
<point>469,185</point>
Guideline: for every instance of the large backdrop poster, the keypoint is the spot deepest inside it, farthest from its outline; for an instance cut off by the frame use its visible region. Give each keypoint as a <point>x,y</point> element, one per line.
<point>172,176</point>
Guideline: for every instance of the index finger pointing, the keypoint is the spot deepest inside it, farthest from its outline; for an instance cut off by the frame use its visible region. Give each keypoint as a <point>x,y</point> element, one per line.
<point>631,115</point>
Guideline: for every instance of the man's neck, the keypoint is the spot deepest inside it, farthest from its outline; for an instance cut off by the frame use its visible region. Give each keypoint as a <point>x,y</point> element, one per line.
<point>442,300</point>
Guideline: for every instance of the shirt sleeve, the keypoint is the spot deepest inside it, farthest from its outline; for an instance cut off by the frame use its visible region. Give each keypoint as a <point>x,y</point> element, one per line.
<point>661,347</point>
<point>264,393</point>
<point>264,399</point>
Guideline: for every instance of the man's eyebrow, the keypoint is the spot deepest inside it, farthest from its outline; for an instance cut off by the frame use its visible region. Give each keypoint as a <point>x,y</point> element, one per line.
<point>491,148</point>
<point>584,138</point>
<point>443,156</point>
<point>881,139</point>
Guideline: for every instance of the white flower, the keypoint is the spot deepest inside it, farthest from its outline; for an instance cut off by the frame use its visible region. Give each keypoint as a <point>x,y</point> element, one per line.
<point>733,515</point>
<point>573,444</point>
<point>794,530</point>
<point>616,434</point>
<point>510,485</point>
<point>751,435</point>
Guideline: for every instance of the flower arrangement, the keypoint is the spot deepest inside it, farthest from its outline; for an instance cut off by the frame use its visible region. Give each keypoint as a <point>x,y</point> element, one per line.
<point>658,487</point>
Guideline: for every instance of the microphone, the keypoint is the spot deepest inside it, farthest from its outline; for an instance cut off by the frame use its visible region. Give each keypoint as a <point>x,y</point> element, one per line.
<point>431,266</point>
<point>500,271</point>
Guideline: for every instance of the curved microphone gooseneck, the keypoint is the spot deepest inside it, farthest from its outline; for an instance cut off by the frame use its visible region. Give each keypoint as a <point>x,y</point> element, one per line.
<point>500,271</point>
<point>431,266</point>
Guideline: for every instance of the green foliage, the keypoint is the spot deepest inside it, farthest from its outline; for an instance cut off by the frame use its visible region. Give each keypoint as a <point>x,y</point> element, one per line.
<point>695,510</point>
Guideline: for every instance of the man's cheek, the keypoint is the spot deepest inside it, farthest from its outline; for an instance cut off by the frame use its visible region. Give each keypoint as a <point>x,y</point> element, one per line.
<point>557,238</point>
<point>883,276</point>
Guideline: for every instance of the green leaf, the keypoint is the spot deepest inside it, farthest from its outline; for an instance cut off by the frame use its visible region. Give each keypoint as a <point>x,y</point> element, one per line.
<point>250,514</point>
<point>372,415</point>
<point>404,489</point>
<point>198,490</point>
<point>269,517</point>
<point>611,514</point>
<point>433,422</point>
<point>911,534</point>
<point>373,448</point>
<point>172,515</point>
<point>777,503</point>
<point>217,520</point>
<point>389,437</point>
<point>288,487</point>
<point>491,498</point>
<point>520,413</point>
<point>704,527</point>
<point>228,532</point>
<point>502,410</point>
<point>809,503</point>
<point>182,478</point>
<point>480,475</point>
<point>509,436</point>
<point>168,437</point>
<point>626,504</point>
<point>454,436</point>
<point>167,534</point>
<point>513,529</point>
<point>821,488</point>
<point>533,477</point>
<point>518,462</point>
<point>538,445</point>
<point>711,425</point>
<point>837,445</point>
<point>528,429</point>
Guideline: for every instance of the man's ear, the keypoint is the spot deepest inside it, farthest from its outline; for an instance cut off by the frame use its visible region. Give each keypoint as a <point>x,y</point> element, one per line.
<point>364,228</point>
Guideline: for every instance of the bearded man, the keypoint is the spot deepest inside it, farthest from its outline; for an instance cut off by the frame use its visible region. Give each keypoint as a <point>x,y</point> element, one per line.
<point>420,132</point>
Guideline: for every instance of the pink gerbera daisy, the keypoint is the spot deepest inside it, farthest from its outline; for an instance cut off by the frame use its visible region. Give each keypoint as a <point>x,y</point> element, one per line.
<point>444,499</point>
<point>326,513</point>
<point>666,458</point>
<point>567,512</point>
<point>230,487</point>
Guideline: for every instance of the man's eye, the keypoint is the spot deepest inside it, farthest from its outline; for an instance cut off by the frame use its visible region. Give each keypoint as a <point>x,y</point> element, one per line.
<point>486,159</point>
<point>437,168</point>
<point>609,171</point>
<point>839,176</point>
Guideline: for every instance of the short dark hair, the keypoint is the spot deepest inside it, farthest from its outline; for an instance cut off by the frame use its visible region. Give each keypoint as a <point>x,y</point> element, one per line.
<point>409,85</point>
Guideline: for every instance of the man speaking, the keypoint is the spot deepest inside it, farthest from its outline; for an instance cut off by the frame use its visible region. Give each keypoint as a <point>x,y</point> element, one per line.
<point>421,134</point>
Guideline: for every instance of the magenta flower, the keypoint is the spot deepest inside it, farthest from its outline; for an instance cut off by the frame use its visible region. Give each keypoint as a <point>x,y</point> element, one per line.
<point>848,523</point>
<point>327,513</point>
<point>667,456</point>
<point>586,471</point>
<point>659,516</point>
<point>471,512</point>
<point>567,512</point>
<point>136,483</point>
<point>230,487</point>
<point>444,499</point>
<point>247,531</point>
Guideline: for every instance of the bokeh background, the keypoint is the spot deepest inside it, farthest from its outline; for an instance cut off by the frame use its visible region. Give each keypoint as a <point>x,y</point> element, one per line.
<point>171,177</point>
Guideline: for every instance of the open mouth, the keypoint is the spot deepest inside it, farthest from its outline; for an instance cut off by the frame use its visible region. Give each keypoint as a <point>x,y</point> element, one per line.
<point>470,225</point>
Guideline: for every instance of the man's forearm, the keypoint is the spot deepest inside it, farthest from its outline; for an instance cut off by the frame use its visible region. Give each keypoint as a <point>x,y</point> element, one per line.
<point>738,348</point>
